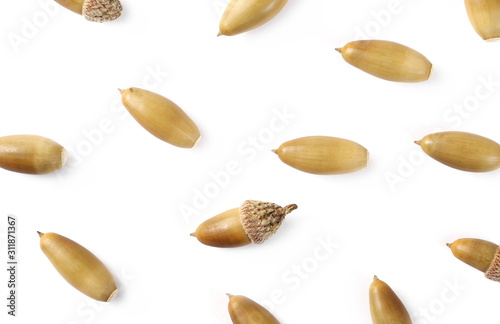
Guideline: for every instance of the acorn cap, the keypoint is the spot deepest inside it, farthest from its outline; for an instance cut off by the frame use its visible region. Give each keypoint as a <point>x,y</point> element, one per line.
<point>493,271</point>
<point>101,10</point>
<point>261,220</point>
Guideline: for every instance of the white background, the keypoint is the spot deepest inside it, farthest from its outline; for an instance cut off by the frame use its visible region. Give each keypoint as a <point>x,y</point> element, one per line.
<point>124,193</point>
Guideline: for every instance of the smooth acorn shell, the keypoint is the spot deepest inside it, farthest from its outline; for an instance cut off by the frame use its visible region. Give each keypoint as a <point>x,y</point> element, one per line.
<point>463,151</point>
<point>243,310</point>
<point>477,253</point>
<point>243,15</point>
<point>73,5</point>
<point>323,155</point>
<point>31,154</point>
<point>78,266</point>
<point>385,305</point>
<point>387,60</point>
<point>484,15</point>
<point>161,117</point>
<point>223,230</point>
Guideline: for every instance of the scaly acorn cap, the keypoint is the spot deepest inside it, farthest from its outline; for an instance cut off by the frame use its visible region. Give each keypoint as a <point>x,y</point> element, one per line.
<point>493,272</point>
<point>261,220</point>
<point>101,10</point>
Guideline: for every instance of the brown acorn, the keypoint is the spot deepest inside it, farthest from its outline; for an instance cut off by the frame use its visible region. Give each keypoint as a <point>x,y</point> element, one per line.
<point>94,10</point>
<point>243,310</point>
<point>161,117</point>
<point>387,60</point>
<point>323,155</point>
<point>484,15</point>
<point>31,154</point>
<point>253,222</point>
<point>79,267</point>
<point>385,305</point>
<point>462,151</point>
<point>479,254</point>
<point>243,15</point>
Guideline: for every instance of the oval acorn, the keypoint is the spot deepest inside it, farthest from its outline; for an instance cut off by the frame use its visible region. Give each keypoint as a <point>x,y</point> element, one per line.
<point>385,305</point>
<point>253,222</point>
<point>484,15</point>
<point>243,15</point>
<point>161,117</point>
<point>480,254</point>
<point>79,267</point>
<point>387,60</point>
<point>31,154</point>
<point>323,155</point>
<point>462,151</point>
<point>94,10</point>
<point>243,310</point>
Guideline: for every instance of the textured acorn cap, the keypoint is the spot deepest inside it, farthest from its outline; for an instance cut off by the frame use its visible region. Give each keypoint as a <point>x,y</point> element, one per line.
<point>101,10</point>
<point>261,220</point>
<point>493,271</point>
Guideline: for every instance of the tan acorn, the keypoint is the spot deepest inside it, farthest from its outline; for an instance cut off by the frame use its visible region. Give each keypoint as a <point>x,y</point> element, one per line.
<point>161,117</point>
<point>463,151</point>
<point>79,267</point>
<point>31,154</point>
<point>243,15</point>
<point>323,155</point>
<point>387,60</point>
<point>94,10</point>
<point>479,254</point>
<point>484,16</point>
<point>253,222</point>
<point>385,305</point>
<point>243,310</point>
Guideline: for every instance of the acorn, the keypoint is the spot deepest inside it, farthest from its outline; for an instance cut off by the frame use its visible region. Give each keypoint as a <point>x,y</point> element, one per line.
<point>79,267</point>
<point>161,117</point>
<point>31,154</point>
<point>387,60</point>
<point>484,15</point>
<point>462,151</point>
<point>479,254</point>
<point>243,15</point>
<point>385,306</point>
<point>253,222</point>
<point>243,310</point>
<point>94,10</point>
<point>323,155</point>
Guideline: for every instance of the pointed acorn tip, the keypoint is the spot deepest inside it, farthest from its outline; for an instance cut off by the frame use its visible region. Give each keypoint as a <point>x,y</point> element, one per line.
<point>375,278</point>
<point>416,142</point>
<point>39,233</point>
<point>275,151</point>
<point>448,245</point>
<point>219,34</point>
<point>229,295</point>
<point>193,234</point>
<point>339,49</point>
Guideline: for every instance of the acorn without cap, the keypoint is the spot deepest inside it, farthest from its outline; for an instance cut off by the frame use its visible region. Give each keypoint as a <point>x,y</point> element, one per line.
<point>480,254</point>
<point>385,305</point>
<point>243,15</point>
<point>387,60</point>
<point>94,10</point>
<point>78,266</point>
<point>31,154</point>
<point>484,15</point>
<point>161,117</point>
<point>243,310</point>
<point>462,151</point>
<point>253,222</point>
<point>323,155</point>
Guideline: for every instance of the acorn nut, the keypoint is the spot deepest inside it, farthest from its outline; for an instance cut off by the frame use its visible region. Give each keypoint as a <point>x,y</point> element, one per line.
<point>484,15</point>
<point>243,15</point>
<point>385,305</point>
<point>79,267</point>
<point>243,310</point>
<point>31,154</point>
<point>161,117</point>
<point>479,254</point>
<point>323,155</point>
<point>462,151</point>
<point>94,10</point>
<point>387,60</point>
<point>253,222</point>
